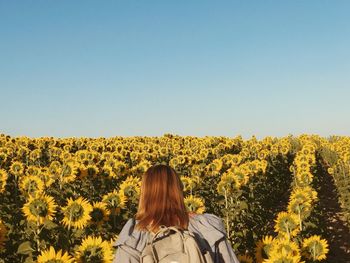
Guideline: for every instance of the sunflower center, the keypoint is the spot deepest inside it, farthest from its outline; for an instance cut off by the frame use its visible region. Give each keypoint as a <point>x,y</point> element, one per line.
<point>97,215</point>
<point>129,191</point>
<point>113,201</point>
<point>67,170</point>
<point>76,211</point>
<point>38,208</point>
<point>93,254</point>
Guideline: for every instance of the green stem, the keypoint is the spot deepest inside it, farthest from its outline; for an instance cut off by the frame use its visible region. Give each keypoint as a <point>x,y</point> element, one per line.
<point>37,233</point>
<point>314,251</point>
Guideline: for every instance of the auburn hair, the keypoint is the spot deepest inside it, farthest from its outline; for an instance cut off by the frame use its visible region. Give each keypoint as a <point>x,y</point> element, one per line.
<point>161,200</point>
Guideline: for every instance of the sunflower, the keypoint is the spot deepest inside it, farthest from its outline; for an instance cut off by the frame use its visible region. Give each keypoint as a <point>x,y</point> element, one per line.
<point>50,256</point>
<point>285,247</point>
<point>65,155</point>
<point>300,208</point>
<point>55,168</point>
<point>287,224</point>
<point>31,185</point>
<point>35,155</point>
<point>304,178</point>
<point>39,208</point>
<point>196,170</point>
<point>245,259</point>
<point>275,149</point>
<point>241,173</point>
<point>174,162</point>
<point>114,201</point>
<point>302,165</point>
<point>3,234</point>
<point>228,184</point>
<point>17,168</point>
<point>106,155</point>
<point>76,213</point>
<point>141,167</point>
<point>131,188</point>
<point>81,155</point>
<point>315,248</point>
<point>46,177</point>
<point>214,167</point>
<point>68,172</point>
<point>92,170</point>
<point>163,151</point>
<point>263,248</point>
<point>194,204</point>
<point>32,170</point>
<point>120,168</point>
<point>188,183</point>
<point>3,180</point>
<point>96,146</point>
<point>94,250</point>
<point>282,258</point>
<point>304,194</point>
<point>99,213</point>
<point>108,170</point>
<point>263,154</point>
<point>235,159</point>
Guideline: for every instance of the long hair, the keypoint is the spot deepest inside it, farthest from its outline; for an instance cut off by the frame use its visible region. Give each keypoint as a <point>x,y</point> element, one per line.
<point>161,200</point>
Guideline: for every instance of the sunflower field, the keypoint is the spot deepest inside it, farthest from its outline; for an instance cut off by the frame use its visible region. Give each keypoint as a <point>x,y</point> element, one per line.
<point>281,199</point>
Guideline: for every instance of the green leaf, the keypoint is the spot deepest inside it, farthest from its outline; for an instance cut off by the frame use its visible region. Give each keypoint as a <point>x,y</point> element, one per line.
<point>25,248</point>
<point>48,224</point>
<point>29,260</point>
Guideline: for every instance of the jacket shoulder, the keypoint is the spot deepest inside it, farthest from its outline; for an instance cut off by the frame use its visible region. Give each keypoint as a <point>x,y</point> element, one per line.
<point>209,226</point>
<point>131,237</point>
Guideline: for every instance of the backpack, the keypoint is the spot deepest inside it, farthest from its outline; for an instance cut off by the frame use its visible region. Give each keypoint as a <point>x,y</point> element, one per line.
<point>174,246</point>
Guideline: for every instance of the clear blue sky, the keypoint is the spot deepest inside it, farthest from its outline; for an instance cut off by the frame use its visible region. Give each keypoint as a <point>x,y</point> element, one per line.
<point>125,68</point>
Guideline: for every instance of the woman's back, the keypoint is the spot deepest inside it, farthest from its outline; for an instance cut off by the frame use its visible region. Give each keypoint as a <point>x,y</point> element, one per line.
<point>207,228</point>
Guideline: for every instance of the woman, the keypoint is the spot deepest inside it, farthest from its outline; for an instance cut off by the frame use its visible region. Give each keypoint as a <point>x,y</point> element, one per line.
<point>162,203</point>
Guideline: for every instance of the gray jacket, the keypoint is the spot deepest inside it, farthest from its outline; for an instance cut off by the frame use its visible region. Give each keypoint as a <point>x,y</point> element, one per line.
<point>207,227</point>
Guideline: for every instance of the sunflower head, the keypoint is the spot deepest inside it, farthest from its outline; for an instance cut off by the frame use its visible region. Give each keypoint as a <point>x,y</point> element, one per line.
<point>285,247</point>
<point>287,224</point>
<point>35,155</point>
<point>263,248</point>
<point>31,185</point>
<point>99,213</point>
<point>315,248</point>
<point>17,168</point>
<point>94,250</point>
<point>68,172</point>
<point>228,184</point>
<point>188,183</point>
<point>114,201</point>
<point>131,188</point>
<point>194,204</point>
<point>39,208</point>
<point>76,213</point>
<point>298,207</point>
<point>33,170</point>
<point>92,170</point>
<point>51,256</point>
